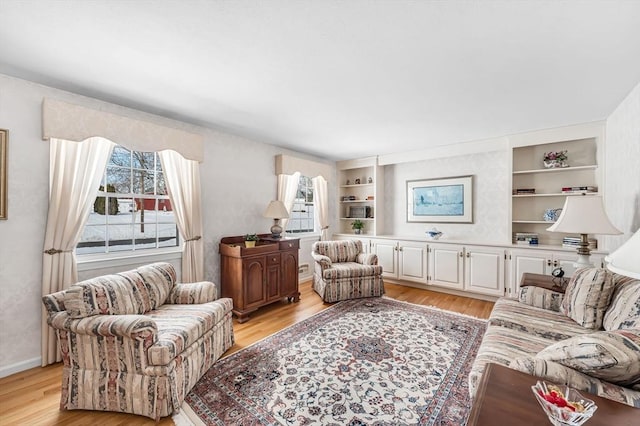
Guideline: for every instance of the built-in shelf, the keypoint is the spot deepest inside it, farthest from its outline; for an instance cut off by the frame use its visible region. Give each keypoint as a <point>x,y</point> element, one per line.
<point>356,186</point>
<point>557,169</point>
<point>557,194</point>
<point>357,201</point>
<point>364,219</point>
<point>535,221</point>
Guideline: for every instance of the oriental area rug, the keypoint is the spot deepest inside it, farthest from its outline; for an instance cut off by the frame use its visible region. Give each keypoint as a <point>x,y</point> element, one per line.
<point>360,362</point>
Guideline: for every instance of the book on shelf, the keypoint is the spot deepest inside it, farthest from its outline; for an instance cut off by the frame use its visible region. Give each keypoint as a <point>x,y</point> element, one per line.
<point>526,238</point>
<point>578,189</point>
<point>519,191</point>
<point>573,242</point>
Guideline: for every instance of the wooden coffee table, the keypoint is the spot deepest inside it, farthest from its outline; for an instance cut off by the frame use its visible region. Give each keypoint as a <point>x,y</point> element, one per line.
<point>504,398</point>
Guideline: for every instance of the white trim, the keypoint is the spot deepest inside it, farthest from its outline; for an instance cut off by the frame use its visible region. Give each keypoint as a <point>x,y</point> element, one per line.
<point>20,366</point>
<point>89,262</point>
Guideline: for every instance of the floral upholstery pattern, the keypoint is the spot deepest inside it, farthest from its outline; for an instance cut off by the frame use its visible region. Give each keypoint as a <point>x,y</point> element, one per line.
<point>342,271</point>
<point>624,310</point>
<point>140,355</point>
<point>534,335</point>
<point>587,296</point>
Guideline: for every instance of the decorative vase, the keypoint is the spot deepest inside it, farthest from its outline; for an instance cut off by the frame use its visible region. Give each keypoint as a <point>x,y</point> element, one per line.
<point>357,231</point>
<point>554,164</point>
<point>249,244</point>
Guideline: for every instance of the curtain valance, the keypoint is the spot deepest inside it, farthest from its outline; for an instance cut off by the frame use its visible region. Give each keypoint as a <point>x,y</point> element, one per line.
<point>76,123</point>
<point>288,165</point>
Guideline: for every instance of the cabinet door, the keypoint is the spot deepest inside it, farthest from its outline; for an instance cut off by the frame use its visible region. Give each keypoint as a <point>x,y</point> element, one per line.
<point>289,274</point>
<point>254,276</point>
<point>533,261</point>
<point>387,252</point>
<point>484,270</point>
<point>273,276</point>
<point>446,264</point>
<point>412,262</point>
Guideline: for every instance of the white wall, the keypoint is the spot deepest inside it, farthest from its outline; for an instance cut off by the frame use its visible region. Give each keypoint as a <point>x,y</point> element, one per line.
<point>238,181</point>
<point>490,172</point>
<point>622,162</point>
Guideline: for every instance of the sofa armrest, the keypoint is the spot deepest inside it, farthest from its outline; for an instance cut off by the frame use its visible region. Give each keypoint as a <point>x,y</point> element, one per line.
<point>541,298</point>
<point>367,259</point>
<point>323,260</point>
<point>139,327</point>
<point>558,373</point>
<point>193,293</point>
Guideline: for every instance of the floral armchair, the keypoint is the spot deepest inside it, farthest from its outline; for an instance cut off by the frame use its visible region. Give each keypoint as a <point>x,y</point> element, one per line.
<point>342,271</point>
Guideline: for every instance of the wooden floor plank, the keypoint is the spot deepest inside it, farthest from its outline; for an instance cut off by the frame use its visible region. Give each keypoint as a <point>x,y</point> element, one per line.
<point>32,397</point>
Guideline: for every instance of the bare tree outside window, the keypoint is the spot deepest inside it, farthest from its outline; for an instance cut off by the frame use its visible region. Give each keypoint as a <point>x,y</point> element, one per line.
<point>302,212</point>
<point>143,217</point>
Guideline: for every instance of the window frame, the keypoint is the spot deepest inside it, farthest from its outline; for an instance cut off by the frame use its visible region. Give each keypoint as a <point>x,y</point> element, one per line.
<point>305,186</point>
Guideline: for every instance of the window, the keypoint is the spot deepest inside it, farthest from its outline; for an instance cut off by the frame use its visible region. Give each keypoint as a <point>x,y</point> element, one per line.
<point>301,218</point>
<point>132,210</point>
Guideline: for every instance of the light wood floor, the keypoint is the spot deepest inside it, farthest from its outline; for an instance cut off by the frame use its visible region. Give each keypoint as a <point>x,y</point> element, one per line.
<point>32,397</point>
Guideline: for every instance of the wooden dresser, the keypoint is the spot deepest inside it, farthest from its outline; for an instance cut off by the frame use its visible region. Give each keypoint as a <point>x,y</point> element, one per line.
<point>257,276</point>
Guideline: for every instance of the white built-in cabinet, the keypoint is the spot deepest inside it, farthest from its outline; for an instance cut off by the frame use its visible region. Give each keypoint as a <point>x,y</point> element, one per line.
<point>403,260</point>
<point>446,265</point>
<point>484,270</point>
<point>542,262</point>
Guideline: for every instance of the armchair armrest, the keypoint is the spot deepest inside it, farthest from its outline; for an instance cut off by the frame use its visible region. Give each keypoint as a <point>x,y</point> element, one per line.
<point>323,260</point>
<point>193,293</point>
<point>139,327</point>
<point>367,258</point>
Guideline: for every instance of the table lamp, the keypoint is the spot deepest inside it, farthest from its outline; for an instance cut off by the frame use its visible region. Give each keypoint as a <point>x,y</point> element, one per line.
<point>584,214</point>
<point>276,211</point>
<point>626,259</point>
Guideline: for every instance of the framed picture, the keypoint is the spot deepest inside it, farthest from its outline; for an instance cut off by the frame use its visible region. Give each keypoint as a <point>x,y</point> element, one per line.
<point>440,200</point>
<point>4,136</point>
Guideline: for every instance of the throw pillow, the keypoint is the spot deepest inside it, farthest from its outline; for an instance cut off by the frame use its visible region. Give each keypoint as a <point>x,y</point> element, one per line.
<point>613,356</point>
<point>587,296</point>
<point>624,310</point>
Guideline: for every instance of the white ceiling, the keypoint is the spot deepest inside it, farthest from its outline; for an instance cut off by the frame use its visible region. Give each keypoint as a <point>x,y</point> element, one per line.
<point>340,79</point>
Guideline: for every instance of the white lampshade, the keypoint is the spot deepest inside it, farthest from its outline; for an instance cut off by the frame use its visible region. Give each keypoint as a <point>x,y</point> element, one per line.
<point>626,260</point>
<point>584,215</point>
<point>276,210</point>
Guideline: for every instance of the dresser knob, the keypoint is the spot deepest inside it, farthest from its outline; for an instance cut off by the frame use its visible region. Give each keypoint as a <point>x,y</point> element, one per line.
<point>290,245</point>
<point>274,259</point>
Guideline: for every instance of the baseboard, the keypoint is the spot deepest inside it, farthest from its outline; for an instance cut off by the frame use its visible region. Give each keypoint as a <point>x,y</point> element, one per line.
<point>438,289</point>
<point>20,366</point>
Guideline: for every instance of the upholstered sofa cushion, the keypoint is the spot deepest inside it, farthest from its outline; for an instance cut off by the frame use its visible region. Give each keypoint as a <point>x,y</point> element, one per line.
<point>553,326</point>
<point>613,356</point>
<point>339,251</point>
<point>181,325</point>
<point>350,270</point>
<point>587,296</point>
<point>558,373</point>
<point>132,292</point>
<point>624,309</point>
<point>541,298</point>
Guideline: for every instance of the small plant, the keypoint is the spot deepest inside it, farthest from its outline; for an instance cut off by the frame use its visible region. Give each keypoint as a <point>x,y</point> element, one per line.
<point>357,225</point>
<point>251,237</point>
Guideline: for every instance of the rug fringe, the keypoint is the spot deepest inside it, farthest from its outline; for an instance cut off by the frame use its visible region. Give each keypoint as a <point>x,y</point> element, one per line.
<point>435,308</point>
<point>186,417</point>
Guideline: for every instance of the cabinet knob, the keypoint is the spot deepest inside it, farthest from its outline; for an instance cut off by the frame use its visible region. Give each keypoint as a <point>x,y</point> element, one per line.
<point>400,249</point>
<point>555,263</point>
<point>548,262</point>
<point>468,254</point>
<point>461,254</point>
<point>274,259</point>
<point>290,245</point>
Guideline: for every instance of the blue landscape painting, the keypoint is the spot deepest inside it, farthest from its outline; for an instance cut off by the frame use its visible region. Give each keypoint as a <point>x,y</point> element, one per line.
<point>445,200</point>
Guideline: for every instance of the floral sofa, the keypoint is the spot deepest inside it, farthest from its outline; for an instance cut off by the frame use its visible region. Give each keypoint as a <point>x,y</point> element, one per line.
<point>342,271</point>
<point>137,342</point>
<point>587,338</point>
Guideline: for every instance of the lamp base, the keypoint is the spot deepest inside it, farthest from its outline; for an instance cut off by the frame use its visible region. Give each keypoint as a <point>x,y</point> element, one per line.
<point>276,229</point>
<point>583,253</point>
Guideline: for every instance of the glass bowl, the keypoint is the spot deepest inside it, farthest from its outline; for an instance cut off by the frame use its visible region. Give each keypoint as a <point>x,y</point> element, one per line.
<point>551,397</point>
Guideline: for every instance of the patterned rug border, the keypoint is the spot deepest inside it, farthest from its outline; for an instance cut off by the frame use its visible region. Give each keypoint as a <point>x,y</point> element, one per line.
<point>188,417</point>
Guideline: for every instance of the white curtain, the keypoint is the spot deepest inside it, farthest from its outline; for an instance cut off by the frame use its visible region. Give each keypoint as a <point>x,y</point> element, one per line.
<point>75,171</point>
<point>321,215</point>
<point>287,189</point>
<point>183,182</point>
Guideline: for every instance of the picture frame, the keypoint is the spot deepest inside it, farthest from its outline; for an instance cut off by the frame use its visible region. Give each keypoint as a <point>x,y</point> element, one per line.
<point>4,140</point>
<point>440,200</point>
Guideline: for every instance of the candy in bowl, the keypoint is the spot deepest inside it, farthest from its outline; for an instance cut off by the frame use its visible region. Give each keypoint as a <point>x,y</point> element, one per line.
<point>563,405</point>
<point>433,234</point>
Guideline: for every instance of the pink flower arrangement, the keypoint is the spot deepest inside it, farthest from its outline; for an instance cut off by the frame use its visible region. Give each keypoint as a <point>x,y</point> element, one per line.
<point>555,155</point>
